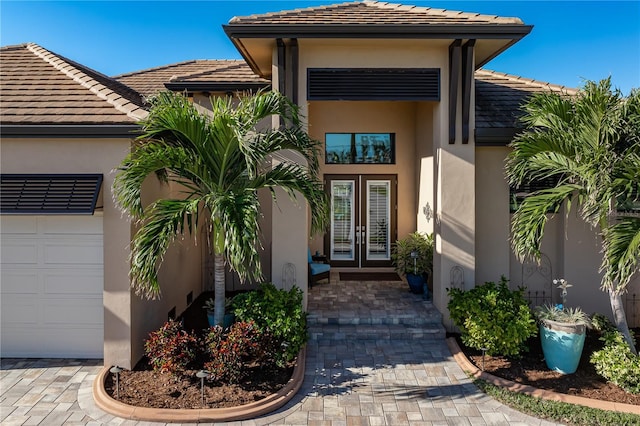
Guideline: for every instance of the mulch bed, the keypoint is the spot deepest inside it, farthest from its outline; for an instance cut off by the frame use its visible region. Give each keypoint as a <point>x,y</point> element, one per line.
<point>532,370</point>
<point>143,387</point>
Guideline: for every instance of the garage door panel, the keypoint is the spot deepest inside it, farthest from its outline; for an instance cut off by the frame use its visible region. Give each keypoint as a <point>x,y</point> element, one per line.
<point>17,252</point>
<point>73,313</point>
<point>86,343</point>
<point>21,225</point>
<point>70,225</point>
<point>73,253</point>
<point>75,283</point>
<point>19,310</point>
<point>52,286</point>
<point>19,281</point>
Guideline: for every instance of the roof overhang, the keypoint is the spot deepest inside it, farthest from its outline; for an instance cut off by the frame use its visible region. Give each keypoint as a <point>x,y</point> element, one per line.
<point>501,136</point>
<point>69,131</point>
<point>219,86</point>
<point>255,42</point>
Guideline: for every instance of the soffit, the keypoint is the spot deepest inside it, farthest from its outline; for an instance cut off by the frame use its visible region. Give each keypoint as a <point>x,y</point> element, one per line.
<point>40,87</point>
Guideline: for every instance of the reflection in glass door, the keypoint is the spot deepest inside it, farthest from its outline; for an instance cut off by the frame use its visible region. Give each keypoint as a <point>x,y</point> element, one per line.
<point>363,223</point>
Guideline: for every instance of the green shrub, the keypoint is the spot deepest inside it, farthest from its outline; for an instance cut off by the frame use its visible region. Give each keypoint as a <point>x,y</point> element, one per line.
<point>280,314</point>
<point>494,317</point>
<point>230,352</point>
<point>615,362</point>
<point>170,349</point>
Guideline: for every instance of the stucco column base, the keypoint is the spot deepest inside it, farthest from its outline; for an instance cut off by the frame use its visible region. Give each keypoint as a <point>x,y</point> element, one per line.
<point>468,367</point>
<point>204,415</point>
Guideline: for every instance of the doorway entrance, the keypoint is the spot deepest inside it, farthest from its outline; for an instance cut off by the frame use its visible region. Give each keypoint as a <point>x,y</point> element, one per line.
<point>363,219</point>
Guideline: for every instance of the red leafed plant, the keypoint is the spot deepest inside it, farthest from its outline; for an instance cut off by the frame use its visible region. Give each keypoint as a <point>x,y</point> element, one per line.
<point>231,352</point>
<point>170,349</point>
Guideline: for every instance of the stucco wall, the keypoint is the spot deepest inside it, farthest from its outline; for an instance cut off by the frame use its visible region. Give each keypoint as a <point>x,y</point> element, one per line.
<point>179,274</point>
<point>58,155</point>
<point>373,117</point>
<point>492,215</point>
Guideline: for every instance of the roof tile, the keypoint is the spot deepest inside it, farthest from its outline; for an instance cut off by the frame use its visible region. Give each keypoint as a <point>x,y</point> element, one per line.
<point>500,96</point>
<point>151,81</point>
<point>39,87</point>
<point>371,13</point>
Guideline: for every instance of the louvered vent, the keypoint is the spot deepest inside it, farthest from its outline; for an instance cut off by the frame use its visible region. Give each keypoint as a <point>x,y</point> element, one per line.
<point>49,194</point>
<point>373,84</point>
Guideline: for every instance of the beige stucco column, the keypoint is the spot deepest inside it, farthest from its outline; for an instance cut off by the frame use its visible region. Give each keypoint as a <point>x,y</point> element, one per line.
<point>455,228</point>
<point>289,221</point>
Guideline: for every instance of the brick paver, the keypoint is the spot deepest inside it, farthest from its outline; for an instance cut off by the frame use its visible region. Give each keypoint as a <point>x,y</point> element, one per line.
<point>354,375</point>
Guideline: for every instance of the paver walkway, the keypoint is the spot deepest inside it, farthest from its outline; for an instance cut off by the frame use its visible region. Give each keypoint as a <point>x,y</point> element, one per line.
<point>404,375</point>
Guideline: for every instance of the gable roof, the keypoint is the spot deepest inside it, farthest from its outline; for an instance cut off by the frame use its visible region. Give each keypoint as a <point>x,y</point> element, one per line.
<point>371,13</point>
<point>198,75</point>
<point>39,87</point>
<point>499,101</point>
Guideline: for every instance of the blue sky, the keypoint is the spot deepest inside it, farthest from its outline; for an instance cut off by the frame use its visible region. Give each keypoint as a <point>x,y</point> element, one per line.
<point>570,41</point>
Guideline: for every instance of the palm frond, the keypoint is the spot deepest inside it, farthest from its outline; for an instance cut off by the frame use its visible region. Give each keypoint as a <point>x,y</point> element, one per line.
<point>144,160</point>
<point>621,252</point>
<point>165,219</point>
<point>529,220</point>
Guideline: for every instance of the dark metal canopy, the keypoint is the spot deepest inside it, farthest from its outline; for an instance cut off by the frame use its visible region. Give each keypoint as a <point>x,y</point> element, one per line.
<point>49,193</point>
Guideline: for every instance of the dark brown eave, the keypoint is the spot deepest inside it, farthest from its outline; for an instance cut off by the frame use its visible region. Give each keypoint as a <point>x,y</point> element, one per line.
<point>229,86</point>
<point>69,131</point>
<point>502,136</point>
<point>446,31</point>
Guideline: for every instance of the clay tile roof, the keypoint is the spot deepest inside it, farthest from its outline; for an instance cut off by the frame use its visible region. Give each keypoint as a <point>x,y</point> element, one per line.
<point>499,97</point>
<point>151,81</point>
<point>371,13</point>
<point>39,87</point>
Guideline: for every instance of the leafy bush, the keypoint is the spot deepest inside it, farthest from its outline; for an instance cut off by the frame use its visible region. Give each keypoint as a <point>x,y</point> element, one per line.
<point>615,362</point>
<point>231,352</point>
<point>170,349</point>
<point>417,242</point>
<point>278,313</point>
<point>494,317</point>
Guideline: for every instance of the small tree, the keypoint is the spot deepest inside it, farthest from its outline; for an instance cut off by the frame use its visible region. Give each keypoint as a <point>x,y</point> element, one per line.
<point>590,143</point>
<point>220,159</point>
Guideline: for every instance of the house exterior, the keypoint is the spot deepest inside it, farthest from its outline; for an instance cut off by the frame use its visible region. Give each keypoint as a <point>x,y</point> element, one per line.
<point>415,134</point>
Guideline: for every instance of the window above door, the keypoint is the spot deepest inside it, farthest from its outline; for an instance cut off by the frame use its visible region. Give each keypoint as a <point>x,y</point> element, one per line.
<point>360,148</point>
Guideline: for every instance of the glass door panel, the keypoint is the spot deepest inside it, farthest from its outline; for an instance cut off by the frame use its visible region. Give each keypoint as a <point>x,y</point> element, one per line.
<point>342,239</point>
<point>378,218</point>
<point>363,220</point>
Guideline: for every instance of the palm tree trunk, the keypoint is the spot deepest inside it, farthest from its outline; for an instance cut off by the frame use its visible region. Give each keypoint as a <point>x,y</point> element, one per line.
<point>219,287</point>
<point>620,319</point>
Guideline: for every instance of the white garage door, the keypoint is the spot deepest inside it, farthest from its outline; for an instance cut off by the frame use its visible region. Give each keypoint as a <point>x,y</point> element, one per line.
<point>51,283</point>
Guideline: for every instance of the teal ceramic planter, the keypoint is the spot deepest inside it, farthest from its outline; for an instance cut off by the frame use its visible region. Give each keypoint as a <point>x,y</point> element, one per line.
<point>562,345</point>
<point>211,318</point>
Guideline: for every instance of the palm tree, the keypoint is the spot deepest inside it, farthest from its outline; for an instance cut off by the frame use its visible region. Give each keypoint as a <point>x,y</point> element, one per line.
<point>219,159</point>
<point>590,144</point>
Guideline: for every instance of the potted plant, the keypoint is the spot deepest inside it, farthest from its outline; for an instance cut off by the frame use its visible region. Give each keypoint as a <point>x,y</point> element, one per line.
<point>229,316</point>
<point>562,334</point>
<point>413,257</point>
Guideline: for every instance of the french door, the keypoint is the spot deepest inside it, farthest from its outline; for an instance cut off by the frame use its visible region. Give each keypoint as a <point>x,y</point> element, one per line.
<point>363,219</point>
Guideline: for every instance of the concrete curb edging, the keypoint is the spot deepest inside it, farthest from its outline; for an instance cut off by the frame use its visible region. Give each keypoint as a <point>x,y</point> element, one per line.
<point>205,415</point>
<point>470,368</point>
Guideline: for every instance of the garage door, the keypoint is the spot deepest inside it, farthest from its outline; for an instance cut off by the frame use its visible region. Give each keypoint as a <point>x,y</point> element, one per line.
<point>51,284</point>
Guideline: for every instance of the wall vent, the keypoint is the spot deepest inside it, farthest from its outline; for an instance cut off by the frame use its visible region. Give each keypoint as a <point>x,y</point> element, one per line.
<point>373,84</point>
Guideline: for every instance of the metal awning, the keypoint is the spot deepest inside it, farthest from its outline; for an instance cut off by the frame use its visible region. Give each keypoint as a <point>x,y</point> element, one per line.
<point>49,193</point>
